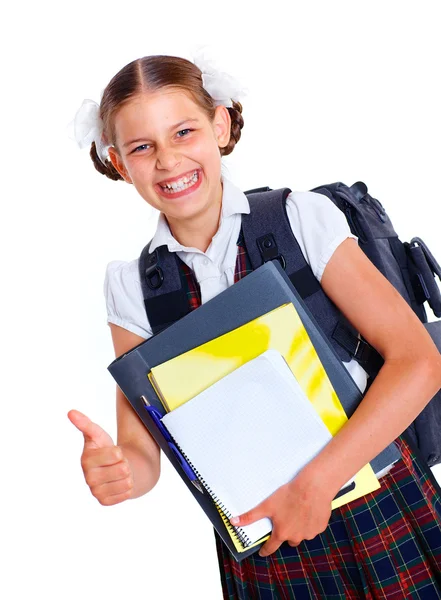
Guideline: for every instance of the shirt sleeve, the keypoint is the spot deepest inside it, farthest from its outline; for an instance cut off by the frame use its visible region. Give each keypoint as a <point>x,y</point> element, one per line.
<point>319,227</point>
<point>124,299</point>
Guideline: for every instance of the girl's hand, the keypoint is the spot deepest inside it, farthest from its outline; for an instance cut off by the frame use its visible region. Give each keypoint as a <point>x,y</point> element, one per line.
<point>106,470</point>
<point>299,510</point>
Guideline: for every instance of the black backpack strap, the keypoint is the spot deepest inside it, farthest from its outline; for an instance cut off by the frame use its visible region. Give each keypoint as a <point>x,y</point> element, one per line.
<point>268,236</point>
<point>165,299</point>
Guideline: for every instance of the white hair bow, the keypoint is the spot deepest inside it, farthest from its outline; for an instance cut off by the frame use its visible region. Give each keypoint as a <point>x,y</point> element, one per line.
<point>222,87</point>
<point>87,127</point>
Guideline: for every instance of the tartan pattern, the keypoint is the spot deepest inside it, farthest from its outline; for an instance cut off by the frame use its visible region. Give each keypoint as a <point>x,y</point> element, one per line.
<point>386,545</point>
<point>191,286</point>
<point>243,263</point>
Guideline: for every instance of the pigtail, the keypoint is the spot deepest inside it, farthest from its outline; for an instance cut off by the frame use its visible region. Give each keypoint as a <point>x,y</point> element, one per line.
<point>236,127</point>
<point>106,169</point>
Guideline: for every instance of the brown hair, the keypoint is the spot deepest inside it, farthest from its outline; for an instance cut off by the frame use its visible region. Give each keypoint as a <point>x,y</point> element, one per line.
<point>150,74</point>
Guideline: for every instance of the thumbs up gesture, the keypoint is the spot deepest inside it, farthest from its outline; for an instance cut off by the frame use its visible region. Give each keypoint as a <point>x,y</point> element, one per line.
<point>106,470</point>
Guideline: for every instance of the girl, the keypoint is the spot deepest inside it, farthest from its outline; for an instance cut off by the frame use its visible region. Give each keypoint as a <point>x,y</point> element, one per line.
<point>163,125</point>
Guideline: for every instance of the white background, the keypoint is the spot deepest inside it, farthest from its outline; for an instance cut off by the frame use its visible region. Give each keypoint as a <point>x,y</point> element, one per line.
<point>341,90</point>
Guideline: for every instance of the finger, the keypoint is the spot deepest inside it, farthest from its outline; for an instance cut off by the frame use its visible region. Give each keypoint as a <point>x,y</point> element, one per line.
<point>93,433</point>
<point>256,513</point>
<point>270,546</point>
<point>99,475</point>
<point>101,457</point>
<point>113,488</point>
<point>110,500</point>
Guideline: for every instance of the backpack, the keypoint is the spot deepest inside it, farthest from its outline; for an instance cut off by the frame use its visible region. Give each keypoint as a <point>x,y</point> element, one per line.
<point>410,268</point>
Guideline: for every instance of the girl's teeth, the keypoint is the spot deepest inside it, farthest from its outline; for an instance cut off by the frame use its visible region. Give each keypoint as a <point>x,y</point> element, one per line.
<point>184,183</point>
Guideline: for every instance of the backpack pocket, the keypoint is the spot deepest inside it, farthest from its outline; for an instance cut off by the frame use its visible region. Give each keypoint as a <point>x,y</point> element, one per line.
<point>423,277</point>
<point>425,431</point>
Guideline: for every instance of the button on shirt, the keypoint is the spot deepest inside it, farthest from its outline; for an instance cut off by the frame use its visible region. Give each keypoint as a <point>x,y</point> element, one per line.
<point>318,225</point>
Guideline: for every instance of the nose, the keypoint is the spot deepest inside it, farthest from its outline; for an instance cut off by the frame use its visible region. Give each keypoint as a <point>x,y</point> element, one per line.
<point>167,158</point>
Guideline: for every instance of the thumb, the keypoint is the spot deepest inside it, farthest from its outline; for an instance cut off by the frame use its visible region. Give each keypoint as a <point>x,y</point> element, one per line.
<point>94,435</point>
<point>258,512</point>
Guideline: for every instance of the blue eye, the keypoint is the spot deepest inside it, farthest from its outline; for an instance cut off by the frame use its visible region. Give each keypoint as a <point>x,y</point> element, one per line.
<point>142,147</point>
<point>183,131</point>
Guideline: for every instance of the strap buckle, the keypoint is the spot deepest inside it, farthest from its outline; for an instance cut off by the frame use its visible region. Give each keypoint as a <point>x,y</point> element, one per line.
<point>154,271</point>
<point>281,260</point>
<point>361,354</point>
<point>150,273</point>
<point>368,357</point>
<point>358,346</point>
<point>269,250</point>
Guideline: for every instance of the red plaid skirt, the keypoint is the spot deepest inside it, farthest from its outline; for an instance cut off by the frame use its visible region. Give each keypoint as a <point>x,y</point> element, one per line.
<point>384,545</point>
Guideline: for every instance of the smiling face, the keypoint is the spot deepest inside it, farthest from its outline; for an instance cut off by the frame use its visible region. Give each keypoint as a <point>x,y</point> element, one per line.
<point>169,149</point>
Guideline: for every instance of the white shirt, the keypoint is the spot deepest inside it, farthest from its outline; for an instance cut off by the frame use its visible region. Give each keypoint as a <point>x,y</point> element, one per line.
<point>318,225</point>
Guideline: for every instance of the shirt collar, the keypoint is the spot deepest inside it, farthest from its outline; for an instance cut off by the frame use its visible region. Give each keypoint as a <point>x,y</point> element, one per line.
<point>234,201</point>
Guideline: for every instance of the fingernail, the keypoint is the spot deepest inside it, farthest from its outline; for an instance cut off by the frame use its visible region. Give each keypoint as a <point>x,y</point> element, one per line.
<point>235,520</point>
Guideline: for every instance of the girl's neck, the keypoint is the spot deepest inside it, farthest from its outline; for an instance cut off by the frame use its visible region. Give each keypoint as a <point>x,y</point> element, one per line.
<point>198,231</point>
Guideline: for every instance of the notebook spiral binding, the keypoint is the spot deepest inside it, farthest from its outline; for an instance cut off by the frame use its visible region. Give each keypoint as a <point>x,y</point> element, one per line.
<point>237,532</point>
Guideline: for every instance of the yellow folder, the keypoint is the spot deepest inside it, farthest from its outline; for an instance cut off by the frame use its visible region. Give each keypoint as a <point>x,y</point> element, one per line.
<point>180,379</point>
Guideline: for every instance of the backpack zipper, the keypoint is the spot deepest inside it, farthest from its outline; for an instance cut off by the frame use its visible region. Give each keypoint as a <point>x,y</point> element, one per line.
<point>351,216</point>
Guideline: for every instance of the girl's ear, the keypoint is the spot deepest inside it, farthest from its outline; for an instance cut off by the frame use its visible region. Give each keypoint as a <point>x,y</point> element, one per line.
<point>119,164</point>
<point>222,126</point>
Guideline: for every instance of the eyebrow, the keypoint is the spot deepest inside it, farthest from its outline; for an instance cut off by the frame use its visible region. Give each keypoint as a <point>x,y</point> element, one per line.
<point>175,126</point>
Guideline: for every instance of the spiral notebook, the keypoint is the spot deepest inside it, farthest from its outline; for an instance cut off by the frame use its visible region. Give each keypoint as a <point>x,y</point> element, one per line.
<point>247,434</point>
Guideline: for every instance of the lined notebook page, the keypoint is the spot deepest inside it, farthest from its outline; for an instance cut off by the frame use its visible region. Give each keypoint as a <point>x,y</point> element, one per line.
<point>248,434</point>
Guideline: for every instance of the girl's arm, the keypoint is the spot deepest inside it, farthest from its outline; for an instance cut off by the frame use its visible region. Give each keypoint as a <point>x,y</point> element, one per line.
<point>409,378</point>
<point>115,473</point>
<point>139,447</point>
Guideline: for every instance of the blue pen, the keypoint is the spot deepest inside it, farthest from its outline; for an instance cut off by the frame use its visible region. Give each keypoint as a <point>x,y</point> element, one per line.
<point>157,416</point>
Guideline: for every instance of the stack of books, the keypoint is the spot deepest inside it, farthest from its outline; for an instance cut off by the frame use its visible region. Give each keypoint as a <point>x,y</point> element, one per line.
<point>234,390</point>
<point>247,411</point>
